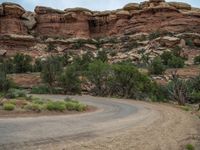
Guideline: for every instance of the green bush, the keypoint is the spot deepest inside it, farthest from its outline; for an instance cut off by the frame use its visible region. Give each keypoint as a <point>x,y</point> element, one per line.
<point>81,107</point>
<point>190,147</point>
<point>56,106</point>
<point>176,62</point>
<point>15,93</point>
<point>42,89</point>
<point>126,81</point>
<point>71,106</point>
<point>38,65</point>
<point>195,97</point>
<point>8,106</point>
<point>5,83</point>
<point>102,55</point>
<point>197,60</point>
<point>69,80</point>
<point>158,92</point>
<point>189,43</point>
<point>98,74</point>
<point>51,68</point>
<point>34,107</point>
<point>74,106</point>
<point>22,63</point>
<point>166,56</point>
<point>157,67</point>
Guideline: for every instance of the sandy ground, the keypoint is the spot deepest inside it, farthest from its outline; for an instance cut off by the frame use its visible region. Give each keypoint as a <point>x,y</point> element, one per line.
<point>116,125</point>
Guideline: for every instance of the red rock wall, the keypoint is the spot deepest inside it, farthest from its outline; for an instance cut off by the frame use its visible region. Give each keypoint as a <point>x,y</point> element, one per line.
<point>10,19</point>
<point>147,17</point>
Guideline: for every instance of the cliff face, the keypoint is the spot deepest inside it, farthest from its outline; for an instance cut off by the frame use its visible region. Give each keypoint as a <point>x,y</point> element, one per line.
<point>10,19</point>
<point>146,17</point>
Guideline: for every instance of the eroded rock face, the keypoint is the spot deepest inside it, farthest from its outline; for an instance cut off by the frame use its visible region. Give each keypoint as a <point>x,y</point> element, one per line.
<point>29,20</point>
<point>51,22</point>
<point>180,5</point>
<point>146,17</point>
<point>10,19</point>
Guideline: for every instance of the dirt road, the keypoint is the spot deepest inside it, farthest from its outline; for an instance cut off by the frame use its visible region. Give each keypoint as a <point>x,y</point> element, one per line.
<point>116,125</point>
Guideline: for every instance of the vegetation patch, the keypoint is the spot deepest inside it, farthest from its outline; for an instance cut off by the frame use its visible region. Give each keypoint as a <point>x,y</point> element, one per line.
<point>17,101</point>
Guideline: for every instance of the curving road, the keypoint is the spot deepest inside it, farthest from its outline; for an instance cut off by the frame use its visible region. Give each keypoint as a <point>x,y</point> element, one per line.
<point>117,124</point>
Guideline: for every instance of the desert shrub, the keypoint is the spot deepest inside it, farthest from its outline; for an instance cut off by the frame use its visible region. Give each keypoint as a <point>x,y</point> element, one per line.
<point>130,45</point>
<point>71,106</point>
<point>74,106</point>
<point>166,56</point>
<point>8,106</point>
<point>9,65</point>
<point>83,61</point>
<point>15,93</point>
<point>5,83</point>
<point>56,106</point>
<point>81,107</point>
<point>157,67</point>
<point>42,89</point>
<point>38,65</point>
<point>154,35</point>
<point>34,107</point>
<point>98,74</point>
<point>177,51</point>
<point>51,68</point>
<point>178,90</point>
<point>38,101</point>
<point>78,44</point>
<point>51,47</point>
<point>127,81</point>
<point>190,147</point>
<point>22,63</point>
<point>195,97</point>
<point>189,42</point>
<point>69,80</point>
<point>176,62</point>
<point>102,55</point>
<point>113,53</point>
<point>173,59</point>
<point>197,60</point>
<point>158,92</point>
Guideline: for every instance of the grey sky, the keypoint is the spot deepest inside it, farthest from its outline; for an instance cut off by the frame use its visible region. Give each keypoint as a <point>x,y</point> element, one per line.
<point>90,4</point>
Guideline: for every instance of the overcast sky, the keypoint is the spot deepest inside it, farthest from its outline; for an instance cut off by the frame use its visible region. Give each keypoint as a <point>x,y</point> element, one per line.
<point>90,4</point>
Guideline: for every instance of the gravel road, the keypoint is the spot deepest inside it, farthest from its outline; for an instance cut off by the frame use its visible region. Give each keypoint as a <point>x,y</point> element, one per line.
<point>116,125</point>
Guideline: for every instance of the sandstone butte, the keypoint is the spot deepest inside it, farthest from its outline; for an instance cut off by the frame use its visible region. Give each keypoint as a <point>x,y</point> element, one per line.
<point>21,29</point>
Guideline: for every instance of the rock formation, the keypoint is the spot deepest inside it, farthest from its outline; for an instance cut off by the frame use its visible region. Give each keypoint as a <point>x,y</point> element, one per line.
<point>10,19</point>
<point>147,17</point>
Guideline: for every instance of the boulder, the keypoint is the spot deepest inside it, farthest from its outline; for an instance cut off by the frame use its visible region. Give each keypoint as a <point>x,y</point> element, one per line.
<point>123,14</point>
<point>156,1</point>
<point>90,46</point>
<point>47,10</point>
<point>169,41</point>
<point>180,5</point>
<point>12,10</point>
<point>131,6</point>
<point>29,20</point>
<point>77,9</point>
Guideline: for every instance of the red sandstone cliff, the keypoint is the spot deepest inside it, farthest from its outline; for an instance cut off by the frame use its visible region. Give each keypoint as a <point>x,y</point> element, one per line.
<point>147,17</point>
<point>22,30</point>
